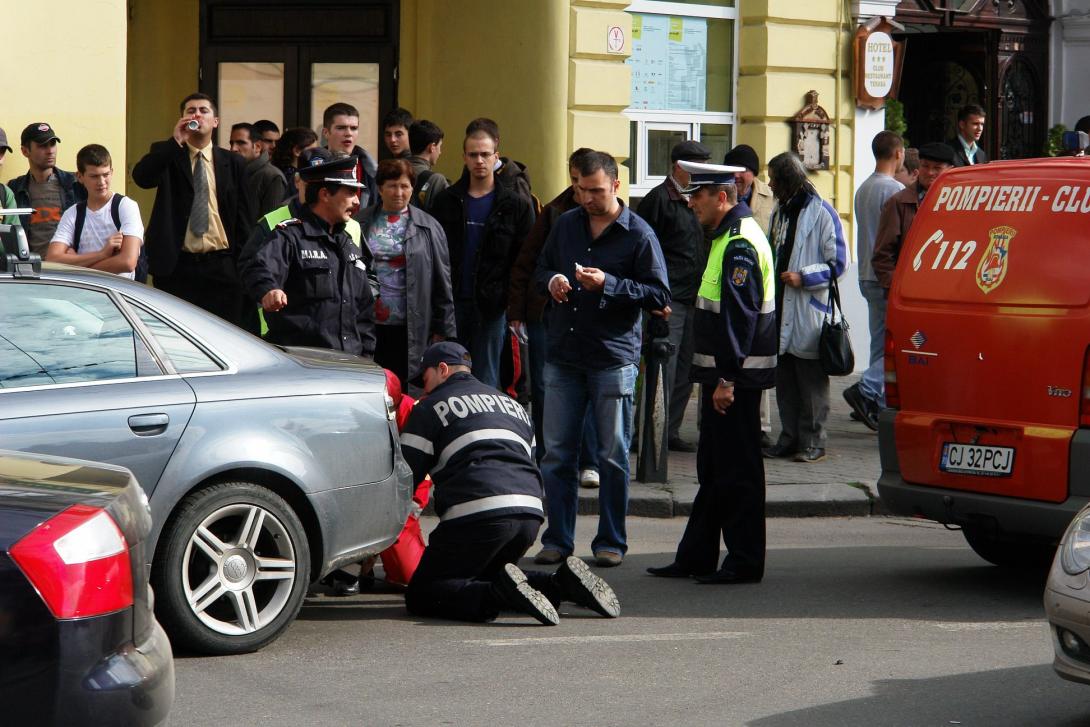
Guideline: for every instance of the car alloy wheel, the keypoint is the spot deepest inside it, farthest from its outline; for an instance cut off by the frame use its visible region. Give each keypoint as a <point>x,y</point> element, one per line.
<point>232,554</point>
<point>232,569</point>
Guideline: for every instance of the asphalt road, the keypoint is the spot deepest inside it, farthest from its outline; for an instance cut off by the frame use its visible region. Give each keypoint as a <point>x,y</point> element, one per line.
<point>869,621</point>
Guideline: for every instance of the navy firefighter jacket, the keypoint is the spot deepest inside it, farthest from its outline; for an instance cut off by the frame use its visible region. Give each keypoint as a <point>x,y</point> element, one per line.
<point>476,444</point>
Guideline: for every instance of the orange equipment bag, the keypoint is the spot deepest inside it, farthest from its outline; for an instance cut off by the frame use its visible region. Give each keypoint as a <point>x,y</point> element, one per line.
<point>400,560</point>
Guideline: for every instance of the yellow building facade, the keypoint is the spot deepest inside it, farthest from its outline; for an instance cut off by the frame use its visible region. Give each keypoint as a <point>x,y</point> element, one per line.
<point>553,73</point>
<point>788,48</point>
<point>61,73</point>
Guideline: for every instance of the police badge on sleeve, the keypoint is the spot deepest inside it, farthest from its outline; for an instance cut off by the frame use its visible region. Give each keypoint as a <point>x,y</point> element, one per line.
<point>739,276</point>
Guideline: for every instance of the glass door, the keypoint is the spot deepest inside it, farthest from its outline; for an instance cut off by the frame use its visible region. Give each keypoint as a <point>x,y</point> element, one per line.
<point>287,61</point>
<point>361,76</point>
<point>251,83</point>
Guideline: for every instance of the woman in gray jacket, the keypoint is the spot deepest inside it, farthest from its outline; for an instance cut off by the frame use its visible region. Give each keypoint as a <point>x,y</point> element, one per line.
<point>405,251</point>
<point>808,240</point>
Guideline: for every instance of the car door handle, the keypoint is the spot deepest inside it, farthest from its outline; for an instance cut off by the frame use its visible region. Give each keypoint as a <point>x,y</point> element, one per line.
<point>148,425</point>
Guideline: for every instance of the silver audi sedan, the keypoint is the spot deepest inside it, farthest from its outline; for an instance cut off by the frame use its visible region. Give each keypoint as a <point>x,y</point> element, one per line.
<point>266,468</point>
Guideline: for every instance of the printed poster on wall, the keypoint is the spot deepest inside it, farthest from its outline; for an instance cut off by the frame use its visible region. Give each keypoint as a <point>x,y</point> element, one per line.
<point>669,62</point>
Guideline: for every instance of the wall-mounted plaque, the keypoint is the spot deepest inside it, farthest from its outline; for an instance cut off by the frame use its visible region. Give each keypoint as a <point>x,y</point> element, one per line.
<point>811,135</point>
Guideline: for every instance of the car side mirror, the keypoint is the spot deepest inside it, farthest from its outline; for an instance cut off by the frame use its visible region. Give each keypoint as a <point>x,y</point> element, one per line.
<point>15,255</point>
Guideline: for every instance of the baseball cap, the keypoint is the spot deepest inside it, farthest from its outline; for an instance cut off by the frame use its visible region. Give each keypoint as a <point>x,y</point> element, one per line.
<point>451,353</point>
<point>40,132</point>
<point>448,352</point>
<point>690,150</point>
<point>4,141</point>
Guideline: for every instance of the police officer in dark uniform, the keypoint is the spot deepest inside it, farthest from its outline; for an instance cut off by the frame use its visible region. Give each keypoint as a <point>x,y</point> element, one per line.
<point>308,275</point>
<point>734,360</point>
<point>476,444</point>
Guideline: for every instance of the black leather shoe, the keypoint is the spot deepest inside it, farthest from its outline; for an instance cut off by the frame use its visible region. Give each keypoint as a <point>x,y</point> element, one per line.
<point>813,454</point>
<point>778,451</point>
<point>727,577</point>
<point>864,409</point>
<point>677,444</point>
<point>670,571</point>
<point>342,583</point>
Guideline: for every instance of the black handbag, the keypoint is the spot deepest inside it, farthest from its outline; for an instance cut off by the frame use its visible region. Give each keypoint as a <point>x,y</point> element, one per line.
<point>835,344</point>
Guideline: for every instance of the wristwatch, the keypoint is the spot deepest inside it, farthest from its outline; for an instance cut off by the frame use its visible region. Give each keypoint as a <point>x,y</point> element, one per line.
<point>725,383</point>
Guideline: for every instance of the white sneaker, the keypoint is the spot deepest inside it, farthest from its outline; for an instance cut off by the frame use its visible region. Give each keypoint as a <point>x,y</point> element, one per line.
<point>589,479</point>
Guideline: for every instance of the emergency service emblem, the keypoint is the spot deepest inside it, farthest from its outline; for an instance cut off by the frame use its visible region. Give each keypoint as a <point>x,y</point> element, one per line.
<point>738,277</point>
<point>993,263</point>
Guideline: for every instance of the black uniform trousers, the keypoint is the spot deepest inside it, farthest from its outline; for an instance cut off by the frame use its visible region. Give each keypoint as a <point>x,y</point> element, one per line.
<point>455,578</point>
<point>208,280</point>
<point>731,497</point>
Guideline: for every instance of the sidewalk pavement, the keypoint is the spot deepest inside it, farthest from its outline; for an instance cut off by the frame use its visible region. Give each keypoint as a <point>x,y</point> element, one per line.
<point>844,483</point>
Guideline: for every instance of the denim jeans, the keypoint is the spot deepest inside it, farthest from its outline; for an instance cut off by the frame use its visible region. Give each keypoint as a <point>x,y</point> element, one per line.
<point>610,392</point>
<point>588,452</point>
<point>483,338</point>
<point>873,384</point>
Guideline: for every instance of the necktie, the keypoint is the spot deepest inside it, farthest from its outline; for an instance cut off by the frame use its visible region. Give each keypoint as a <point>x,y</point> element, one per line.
<point>198,213</point>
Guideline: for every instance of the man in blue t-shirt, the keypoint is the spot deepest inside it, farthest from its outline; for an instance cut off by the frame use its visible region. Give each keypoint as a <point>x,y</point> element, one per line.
<point>485,223</point>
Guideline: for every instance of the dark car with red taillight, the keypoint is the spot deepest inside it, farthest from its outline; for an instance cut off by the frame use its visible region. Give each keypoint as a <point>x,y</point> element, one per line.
<point>79,643</point>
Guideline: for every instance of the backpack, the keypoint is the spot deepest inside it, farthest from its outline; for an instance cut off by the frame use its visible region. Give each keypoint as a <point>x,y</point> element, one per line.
<point>141,272</point>
<point>422,191</point>
<point>4,192</point>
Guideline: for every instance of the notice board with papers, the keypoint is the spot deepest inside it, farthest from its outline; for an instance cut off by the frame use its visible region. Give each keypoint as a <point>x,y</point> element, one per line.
<point>669,62</point>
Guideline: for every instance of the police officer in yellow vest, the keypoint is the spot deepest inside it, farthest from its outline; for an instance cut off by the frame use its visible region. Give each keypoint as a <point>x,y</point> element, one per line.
<point>735,359</point>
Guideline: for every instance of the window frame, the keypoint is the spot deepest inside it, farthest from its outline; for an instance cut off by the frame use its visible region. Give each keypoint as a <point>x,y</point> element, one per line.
<point>644,120</point>
<point>139,332</point>
<point>134,305</point>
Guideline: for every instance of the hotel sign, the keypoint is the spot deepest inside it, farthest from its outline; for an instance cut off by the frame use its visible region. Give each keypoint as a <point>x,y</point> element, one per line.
<point>878,61</point>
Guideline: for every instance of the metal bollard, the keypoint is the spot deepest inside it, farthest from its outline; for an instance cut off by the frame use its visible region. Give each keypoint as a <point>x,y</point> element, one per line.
<point>651,426</point>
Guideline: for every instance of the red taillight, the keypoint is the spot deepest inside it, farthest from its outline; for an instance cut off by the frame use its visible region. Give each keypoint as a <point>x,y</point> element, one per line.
<point>78,561</point>
<point>1084,401</point>
<point>893,391</point>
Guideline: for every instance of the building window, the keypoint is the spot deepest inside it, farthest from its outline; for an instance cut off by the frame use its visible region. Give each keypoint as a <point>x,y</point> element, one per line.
<point>684,60</point>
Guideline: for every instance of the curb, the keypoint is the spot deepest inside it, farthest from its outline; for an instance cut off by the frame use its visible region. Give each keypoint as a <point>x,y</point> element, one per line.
<point>806,500</point>
<point>820,500</point>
